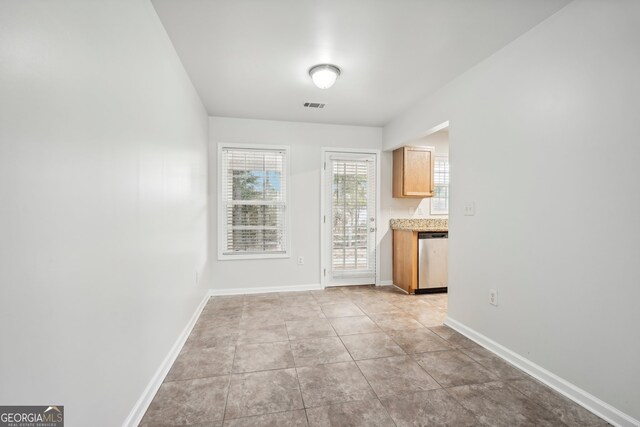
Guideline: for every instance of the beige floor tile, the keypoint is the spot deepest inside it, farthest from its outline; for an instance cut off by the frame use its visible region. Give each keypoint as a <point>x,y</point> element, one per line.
<point>318,351</point>
<point>211,310</point>
<point>312,328</point>
<point>452,368</point>
<point>214,320</point>
<point>259,320</point>
<point>372,307</point>
<point>265,392</point>
<point>330,297</point>
<point>371,346</point>
<point>202,362</point>
<point>333,383</point>
<point>418,340</point>
<point>395,321</point>
<point>454,338</point>
<point>494,364</point>
<point>302,312</point>
<point>296,418</point>
<point>353,325</point>
<point>267,298</point>
<point>225,302</point>
<point>341,310</point>
<point>261,334</point>
<point>304,300</point>
<point>496,404</point>
<point>431,318</point>
<point>262,357</point>
<point>196,401</point>
<point>428,408</point>
<point>392,376</point>
<point>212,337</point>
<point>262,313</point>
<point>363,413</point>
<point>568,412</point>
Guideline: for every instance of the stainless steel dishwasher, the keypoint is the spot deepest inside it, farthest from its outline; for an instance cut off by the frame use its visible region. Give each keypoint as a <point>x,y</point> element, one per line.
<point>433,267</point>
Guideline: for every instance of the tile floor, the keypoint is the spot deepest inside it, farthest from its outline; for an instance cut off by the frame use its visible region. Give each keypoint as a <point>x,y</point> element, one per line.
<point>353,356</point>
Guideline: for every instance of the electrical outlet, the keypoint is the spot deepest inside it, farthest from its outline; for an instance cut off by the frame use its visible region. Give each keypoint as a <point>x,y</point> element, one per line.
<point>197,277</point>
<point>420,210</point>
<point>469,208</point>
<point>493,297</point>
<point>300,260</point>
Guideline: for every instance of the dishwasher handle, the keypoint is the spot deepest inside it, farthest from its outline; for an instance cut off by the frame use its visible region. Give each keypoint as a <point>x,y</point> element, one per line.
<point>431,235</point>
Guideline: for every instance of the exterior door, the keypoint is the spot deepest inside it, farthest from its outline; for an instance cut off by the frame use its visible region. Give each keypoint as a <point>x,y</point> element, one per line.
<point>350,218</point>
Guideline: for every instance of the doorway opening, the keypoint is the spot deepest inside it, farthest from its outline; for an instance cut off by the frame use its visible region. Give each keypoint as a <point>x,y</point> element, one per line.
<point>421,232</point>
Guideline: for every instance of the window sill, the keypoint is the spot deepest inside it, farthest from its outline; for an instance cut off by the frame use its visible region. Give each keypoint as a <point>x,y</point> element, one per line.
<point>223,257</point>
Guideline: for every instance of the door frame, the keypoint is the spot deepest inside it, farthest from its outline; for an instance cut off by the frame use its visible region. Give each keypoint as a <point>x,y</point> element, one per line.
<point>323,234</point>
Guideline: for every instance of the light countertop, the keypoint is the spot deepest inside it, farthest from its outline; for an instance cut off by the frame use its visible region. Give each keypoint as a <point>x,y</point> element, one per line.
<point>422,224</point>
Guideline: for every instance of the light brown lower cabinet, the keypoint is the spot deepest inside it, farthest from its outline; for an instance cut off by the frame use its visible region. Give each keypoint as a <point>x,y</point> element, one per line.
<point>405,260</point>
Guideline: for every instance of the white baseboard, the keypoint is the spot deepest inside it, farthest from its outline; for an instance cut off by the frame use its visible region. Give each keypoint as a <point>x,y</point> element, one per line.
<point>571,391</point>
<point>264,290</point>
<point>141,406</point>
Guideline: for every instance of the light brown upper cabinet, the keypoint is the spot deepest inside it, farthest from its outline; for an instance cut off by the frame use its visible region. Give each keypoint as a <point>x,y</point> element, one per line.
<point>413,172</point>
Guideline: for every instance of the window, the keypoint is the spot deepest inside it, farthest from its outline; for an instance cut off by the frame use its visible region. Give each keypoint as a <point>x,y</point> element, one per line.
<point>440,199</point>
<point>253,217</point>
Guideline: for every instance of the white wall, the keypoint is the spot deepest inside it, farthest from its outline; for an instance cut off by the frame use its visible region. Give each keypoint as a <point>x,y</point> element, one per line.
<point>306,141</point>
<point>544,139</point>
<point>103,204</point>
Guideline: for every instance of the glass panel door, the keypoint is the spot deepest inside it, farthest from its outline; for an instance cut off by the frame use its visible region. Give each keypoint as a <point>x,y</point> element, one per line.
<point>350,218</point>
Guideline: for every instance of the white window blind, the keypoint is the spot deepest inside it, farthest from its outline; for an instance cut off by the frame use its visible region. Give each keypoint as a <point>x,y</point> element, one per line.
<point>253,211</point>
<point>440,199</point>
<point>352,198</point>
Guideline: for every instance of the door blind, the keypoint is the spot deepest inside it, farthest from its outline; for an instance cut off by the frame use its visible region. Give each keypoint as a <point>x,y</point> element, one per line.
<point>254,201</point>
<point>353,207</point>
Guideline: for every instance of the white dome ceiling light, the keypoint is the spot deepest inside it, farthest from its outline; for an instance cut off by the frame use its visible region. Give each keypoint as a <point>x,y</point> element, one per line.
<point>324,75</point>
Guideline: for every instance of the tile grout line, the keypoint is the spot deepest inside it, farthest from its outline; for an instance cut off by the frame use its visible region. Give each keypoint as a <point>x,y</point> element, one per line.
<point>364,376</point>
<point>462,406</point>
<point>295,367</point>
<point>233,362</point>
<point>411,356</point>
<point>258,415</point>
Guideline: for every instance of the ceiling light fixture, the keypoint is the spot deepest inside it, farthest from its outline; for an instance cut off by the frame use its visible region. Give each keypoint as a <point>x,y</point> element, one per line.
<point>324,75</point>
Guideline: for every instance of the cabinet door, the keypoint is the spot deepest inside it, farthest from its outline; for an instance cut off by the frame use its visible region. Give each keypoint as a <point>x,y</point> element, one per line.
<point>418,171</point>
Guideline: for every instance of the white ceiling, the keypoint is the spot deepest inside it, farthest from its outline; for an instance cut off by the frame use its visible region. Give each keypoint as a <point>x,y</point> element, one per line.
<point>250,58</point>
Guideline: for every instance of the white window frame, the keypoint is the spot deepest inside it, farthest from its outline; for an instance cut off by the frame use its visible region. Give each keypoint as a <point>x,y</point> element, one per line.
<point>432,210</point>
<point>287,210</point>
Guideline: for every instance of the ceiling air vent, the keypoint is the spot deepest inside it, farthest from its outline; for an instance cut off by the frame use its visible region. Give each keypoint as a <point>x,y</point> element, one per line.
<point>313,105</point>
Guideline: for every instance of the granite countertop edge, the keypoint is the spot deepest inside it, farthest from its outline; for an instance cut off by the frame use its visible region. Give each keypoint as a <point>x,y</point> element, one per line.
<point>422,224</point>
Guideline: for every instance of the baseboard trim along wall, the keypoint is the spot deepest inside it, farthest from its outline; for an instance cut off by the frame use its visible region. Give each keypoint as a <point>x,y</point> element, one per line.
<point>141,406</point>
<point>264,290</point>
<point>571,391</point>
